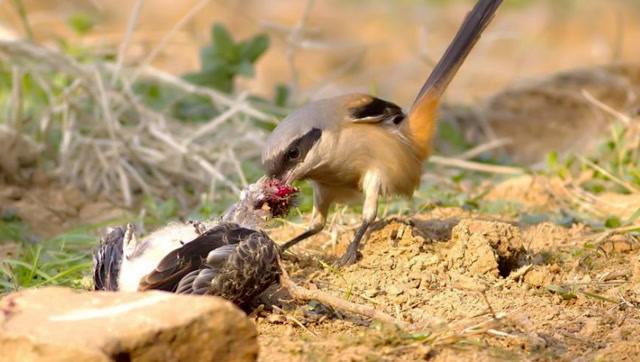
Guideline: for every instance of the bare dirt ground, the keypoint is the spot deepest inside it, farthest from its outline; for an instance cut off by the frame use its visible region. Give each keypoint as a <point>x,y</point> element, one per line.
<point>556,294</point>
<point>471,286</point>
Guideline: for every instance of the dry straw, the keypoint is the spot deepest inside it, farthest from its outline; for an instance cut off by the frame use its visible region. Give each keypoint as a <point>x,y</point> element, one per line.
<point>112,144</point>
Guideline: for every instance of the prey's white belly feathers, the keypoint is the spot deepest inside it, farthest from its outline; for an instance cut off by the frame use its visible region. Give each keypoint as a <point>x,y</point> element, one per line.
<point>140,259</point>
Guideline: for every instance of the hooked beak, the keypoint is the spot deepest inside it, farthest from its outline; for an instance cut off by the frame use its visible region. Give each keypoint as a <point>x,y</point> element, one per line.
<point>288,177</point>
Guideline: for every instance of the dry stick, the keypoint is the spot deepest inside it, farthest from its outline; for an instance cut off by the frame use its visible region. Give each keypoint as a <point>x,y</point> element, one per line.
<point>205,155</point>
<point>195,10</point>
<point>113,126</point>
<point>212,125</point>
<point>294,320</point>
<point>238,166</point>
<point>131,25</point>
<point>215,96</point>
<point>608,174</point>
<point>475,166</point>
<point>303,294</point>
<point>292,39</point>
<point>514,275</point>
<point>15,99</point>
<point>598,103</point>
<point>488,146</point>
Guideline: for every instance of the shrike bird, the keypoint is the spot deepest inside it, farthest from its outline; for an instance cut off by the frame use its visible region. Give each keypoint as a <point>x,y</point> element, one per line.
<point>357,145</point>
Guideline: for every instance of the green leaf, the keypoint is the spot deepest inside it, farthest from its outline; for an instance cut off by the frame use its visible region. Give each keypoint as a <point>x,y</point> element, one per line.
<point>556,288</point>
<point>282,95</point>
<point>223,42</point>
<point>564,293</point>
<point>81,24</point>
<point>599,297</point>
<point>211,59</point>
<point>253,48</point>
<point>216,79</point>
<point>552,159</point>
<point>612,222</point>
<point>243,68</point>
<point>194,108</point>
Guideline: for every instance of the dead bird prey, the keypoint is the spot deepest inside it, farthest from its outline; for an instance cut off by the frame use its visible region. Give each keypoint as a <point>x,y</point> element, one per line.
<point>229,258</point>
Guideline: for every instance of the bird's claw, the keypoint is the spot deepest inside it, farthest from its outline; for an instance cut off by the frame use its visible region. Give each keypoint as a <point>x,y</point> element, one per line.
<point>349,258</point>
<point>130,240</point>
<point>198,226</point>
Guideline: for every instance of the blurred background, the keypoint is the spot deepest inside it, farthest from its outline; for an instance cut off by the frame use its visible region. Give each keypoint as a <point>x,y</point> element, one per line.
<point>386,46</point>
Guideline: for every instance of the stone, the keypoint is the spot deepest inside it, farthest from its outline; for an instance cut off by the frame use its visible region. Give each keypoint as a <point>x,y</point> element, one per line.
<point>62,324</point>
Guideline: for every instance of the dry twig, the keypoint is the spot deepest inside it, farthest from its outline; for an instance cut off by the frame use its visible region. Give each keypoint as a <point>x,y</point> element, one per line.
<point>303,294</point>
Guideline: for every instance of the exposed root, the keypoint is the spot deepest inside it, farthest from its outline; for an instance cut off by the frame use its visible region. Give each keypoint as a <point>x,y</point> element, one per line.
<point>304,295</point>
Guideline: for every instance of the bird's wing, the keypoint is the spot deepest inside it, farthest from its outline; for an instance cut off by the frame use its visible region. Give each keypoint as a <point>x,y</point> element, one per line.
<point>199,281</point>
<point>186,259</point>
<point>107,260</point>
<point>372,110</point>
<point>237,272</point>
<point>249,271</point>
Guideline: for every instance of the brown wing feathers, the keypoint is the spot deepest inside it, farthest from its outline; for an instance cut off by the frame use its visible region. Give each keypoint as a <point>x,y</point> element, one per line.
<point>180,262</point>
<point>229,261</point>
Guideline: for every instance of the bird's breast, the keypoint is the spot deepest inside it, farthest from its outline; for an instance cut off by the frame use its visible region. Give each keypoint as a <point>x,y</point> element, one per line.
<point>359,149</point>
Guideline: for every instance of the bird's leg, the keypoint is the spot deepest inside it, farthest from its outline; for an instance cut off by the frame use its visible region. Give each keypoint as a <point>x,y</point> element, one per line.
<point>130,241</point>
<point>198,226</point>
<point>321,203</point>
<point>371,188</point>
<point>318,222</point>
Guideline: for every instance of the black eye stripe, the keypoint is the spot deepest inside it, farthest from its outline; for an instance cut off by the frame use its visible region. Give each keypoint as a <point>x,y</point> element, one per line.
<point>304,143</point>
<point>281,163</point>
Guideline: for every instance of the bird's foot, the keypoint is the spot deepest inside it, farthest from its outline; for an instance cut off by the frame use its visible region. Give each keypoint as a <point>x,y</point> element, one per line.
<point>198,226</point>
<point>349,258</point>
<point>130,241</point>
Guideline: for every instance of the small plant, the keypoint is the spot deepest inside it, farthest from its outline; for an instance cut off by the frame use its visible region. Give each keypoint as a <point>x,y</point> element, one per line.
<point>225,59</point>
<point>221,62</point>
<point>337,272</point>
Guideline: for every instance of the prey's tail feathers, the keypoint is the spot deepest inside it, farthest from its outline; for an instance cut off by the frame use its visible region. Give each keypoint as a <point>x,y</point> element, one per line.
<point>422,114</point>
<point>107,260</point>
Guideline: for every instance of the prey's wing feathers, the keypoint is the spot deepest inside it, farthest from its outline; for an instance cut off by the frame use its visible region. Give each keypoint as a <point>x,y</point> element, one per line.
<point>184,260</point>
<point>107,260</point>
<point>199,281</point>
<point>236,272</point>
<point>217,258</point>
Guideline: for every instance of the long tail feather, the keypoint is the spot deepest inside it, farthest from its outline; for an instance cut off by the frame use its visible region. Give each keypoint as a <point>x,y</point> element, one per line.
<point>422,114</point>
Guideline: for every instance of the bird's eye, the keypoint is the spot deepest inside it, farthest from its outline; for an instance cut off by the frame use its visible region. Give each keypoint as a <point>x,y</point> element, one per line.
<point>294,153</point>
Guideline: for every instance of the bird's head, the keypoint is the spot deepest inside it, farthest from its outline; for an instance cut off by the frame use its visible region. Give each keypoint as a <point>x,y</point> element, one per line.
<point>304,140</point>
<point>264,199</point>
<point>275,197</point>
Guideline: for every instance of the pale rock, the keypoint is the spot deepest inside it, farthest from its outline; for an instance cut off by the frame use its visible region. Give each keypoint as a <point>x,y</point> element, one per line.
<point>61,324</point>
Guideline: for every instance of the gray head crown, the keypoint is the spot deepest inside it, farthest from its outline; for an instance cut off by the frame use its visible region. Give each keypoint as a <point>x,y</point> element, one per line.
<point>295,135</point>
